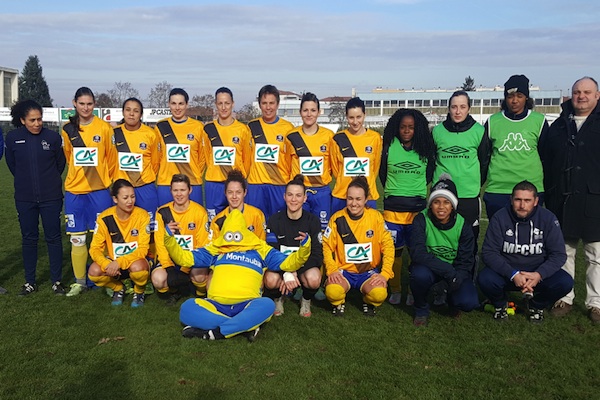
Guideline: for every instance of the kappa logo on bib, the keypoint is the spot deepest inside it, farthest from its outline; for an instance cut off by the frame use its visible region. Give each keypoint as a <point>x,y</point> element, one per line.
<point>224,155</point>
<point>311,166</point>
<point>358,253</point>
<point>287,250</point>
<point>130,162</point>
<point>356,166</point>
<point>186,242</point>
<point>85,157</point>
<point>178,153</point>
<point>514,142</point>
<point>123,249</point>
<point>266,153</point>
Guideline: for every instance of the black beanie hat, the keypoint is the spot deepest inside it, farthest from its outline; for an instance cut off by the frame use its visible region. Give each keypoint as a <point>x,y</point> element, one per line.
<point>517,83</point>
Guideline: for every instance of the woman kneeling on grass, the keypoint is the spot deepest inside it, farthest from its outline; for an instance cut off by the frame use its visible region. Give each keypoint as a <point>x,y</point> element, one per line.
<point>358,252</point>
<point>442,250</point>
<point>120,245</point>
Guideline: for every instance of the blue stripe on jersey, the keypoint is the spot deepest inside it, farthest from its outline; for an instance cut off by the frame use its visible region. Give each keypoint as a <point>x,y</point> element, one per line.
<point>274,259</point>
<point>202,258</point>
<point>249,259</point>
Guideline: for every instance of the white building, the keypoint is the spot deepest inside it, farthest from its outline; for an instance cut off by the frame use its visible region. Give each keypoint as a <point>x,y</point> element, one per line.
<point>381,103</point>
<point>9,86</point>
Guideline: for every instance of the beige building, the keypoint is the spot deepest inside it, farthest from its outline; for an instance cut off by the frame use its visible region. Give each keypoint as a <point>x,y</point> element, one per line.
<point>9,86</point>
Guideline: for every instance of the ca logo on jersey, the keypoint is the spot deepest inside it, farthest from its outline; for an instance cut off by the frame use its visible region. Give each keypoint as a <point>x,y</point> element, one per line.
<point>123,249</point>
<point>178,153</point>
<point>186,242</point>
<point>356,166</point>
<point>224,155</point>
<point>311,166</point>
<point>85,157</point>
<point>514,142</point>
<point>266,153</point>
<point>358,253</point>
<point>130,162</point>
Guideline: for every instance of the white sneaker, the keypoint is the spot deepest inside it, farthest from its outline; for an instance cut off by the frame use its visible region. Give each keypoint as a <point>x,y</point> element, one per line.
<point>410,300</point>
<point>395,298</point>
<point>278,306</point>
<point>305,308</point>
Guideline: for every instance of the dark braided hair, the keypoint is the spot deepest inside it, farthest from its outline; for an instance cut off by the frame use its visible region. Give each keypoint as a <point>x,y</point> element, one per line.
<point>422,141</point>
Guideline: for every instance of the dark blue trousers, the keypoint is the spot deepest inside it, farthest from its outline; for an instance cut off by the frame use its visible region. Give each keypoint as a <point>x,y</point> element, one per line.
<point>29,217</point>
<point>494,286</point>
<point>422,278</point>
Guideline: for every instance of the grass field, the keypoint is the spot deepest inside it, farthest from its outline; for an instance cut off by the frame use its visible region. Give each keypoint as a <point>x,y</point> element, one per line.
<point>82,348</point>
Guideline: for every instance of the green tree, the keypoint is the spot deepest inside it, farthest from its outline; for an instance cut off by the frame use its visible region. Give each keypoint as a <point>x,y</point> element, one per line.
<point>103,100</point>
<point>469,84</point>
<point>32,84</point>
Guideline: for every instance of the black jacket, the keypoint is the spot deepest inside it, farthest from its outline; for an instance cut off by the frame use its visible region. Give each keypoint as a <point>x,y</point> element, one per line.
<point>37,162</point>
<point>571,162</point>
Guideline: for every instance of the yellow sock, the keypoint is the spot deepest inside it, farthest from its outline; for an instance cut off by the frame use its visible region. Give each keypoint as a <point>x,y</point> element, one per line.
<point>200,288</point>
<point>376,296</point>
<point>335,293</point>
<point>163,290</point>
<point>139,278</point>
<point>79,257</point>
<point>107,281</point>
<point>395,282</point>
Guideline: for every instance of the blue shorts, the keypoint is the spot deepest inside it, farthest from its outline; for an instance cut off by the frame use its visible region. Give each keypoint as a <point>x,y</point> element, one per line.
<point>339,204</point>
<point>400,234</point>
<point>357,280</point>
<point>268,198</point>
<point>165,196</point>
<point>82,210</point>
<point>215,198</point>
<point>146,197</point>
<point>318,202</point>
<point>231,310</point>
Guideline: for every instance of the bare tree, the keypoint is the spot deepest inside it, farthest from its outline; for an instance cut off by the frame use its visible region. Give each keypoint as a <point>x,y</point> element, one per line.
<point>247,113</point>
<point>159,95</point>
<point>121,91</point>
<point>337,113</point>
<point>202,107</point>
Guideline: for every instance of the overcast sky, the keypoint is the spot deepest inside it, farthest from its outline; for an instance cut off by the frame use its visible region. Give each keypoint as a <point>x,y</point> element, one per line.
<point>326,46</point>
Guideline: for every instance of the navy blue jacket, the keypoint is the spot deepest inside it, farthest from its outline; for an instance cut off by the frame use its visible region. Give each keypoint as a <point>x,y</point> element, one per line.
<point>37,162</point>
<point>533,244</point>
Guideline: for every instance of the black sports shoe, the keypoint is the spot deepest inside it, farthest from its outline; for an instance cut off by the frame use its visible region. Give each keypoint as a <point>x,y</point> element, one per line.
<point>28,288</point>
<point>338,311</point>
<point>368,310</point>
<point>500,314</point>
<point>536,315</point>
<point>58,289</point>
<point>191,332</point>
<point>251,336</point>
